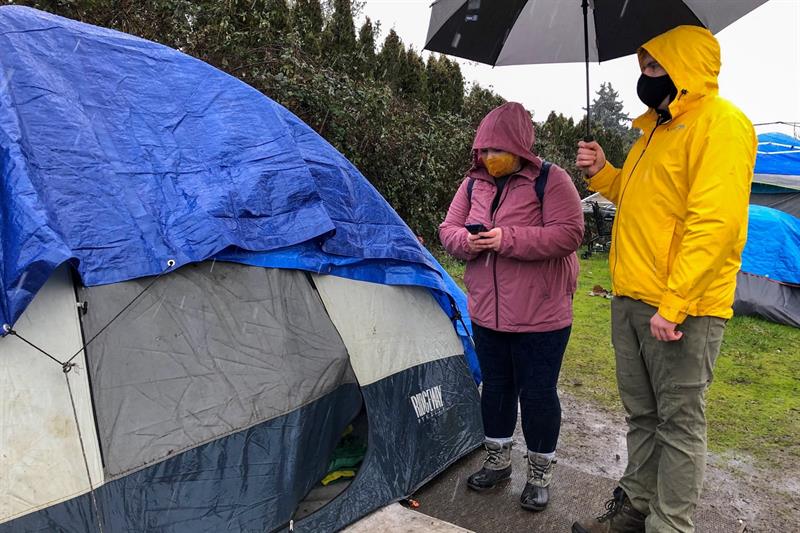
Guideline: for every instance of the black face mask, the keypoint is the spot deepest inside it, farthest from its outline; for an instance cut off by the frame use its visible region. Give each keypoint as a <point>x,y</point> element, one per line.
<point>653,90</point>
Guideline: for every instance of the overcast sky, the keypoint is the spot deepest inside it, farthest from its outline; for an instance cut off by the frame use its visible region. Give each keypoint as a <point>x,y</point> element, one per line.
<point>760,65</point>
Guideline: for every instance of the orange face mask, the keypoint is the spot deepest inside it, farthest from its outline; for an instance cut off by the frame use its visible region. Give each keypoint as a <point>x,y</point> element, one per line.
<point>501,164</point>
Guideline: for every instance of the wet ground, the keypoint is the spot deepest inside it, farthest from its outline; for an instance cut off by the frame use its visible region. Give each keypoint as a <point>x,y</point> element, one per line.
<point>398,519</point>
<point>738,495</point>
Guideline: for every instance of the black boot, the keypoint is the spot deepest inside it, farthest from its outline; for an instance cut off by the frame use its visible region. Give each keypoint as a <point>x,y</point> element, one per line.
<point>620,517</point>
<point>536,493</point>
<point>496,467</point>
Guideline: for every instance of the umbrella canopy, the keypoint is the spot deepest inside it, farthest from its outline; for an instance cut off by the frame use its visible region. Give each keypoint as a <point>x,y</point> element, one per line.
<point>521,32</point>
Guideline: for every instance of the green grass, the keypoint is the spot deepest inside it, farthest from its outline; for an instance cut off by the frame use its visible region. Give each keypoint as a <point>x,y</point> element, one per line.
<point>588,369</point>
<point>453,266</point>
<point>754,402</point>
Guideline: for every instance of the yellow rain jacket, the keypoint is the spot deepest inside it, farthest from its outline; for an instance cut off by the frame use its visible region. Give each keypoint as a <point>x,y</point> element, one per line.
<point>683,192</point>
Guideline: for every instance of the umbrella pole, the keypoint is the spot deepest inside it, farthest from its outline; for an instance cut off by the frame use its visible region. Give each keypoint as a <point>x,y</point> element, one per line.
<point>585,6</point>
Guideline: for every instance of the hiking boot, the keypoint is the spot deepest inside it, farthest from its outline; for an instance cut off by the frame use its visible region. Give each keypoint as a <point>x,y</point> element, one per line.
<point>536,493</point>
<point>496,467</point>
<point>620,517</point>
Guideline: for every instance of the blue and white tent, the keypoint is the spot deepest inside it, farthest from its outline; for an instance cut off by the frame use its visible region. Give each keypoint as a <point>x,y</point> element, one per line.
<point>768,284</point>
<point>198,295</point>
<point>776,181</point>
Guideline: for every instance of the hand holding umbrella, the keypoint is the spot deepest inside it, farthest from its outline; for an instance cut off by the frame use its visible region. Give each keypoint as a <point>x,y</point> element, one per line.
<point>591,158</point>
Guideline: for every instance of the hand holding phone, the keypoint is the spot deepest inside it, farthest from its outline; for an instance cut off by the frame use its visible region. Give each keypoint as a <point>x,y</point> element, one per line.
<point>474,229</point>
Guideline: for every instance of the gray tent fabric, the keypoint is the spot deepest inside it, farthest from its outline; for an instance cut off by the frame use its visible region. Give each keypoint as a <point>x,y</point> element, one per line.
<point>759,296</point>
<point>39,440</point>
<point>250,481</point>
<point>782,181</point>
<point>208,350</point>
<point>788,202</point>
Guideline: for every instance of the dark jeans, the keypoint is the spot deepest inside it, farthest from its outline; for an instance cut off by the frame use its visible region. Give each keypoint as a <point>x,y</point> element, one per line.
<point>521,367</point>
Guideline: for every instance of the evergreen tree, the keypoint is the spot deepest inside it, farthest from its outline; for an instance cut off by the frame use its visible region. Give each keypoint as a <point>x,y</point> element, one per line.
<point>607,110</point>
<point>412,84</point>
<point>445,85</point>
<point>611,125</point>
<point>454,86</point>
<point>367,60</point>
<point>308,21</point>
<point>435,79</point>
<point>390,59</point>
<point>557,141</point>
<point>340,36</point>
<point>277,21</point>
<point>478,103</point>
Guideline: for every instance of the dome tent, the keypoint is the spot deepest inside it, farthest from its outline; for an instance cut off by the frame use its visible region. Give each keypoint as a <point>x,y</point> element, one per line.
<point>768,284</point>
<point>243,293</point>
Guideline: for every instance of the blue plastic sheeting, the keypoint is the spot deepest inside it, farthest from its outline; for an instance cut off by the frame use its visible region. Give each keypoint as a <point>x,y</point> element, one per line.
<point>778,154</point>
<point>118,155</point>
<point>773,245</point>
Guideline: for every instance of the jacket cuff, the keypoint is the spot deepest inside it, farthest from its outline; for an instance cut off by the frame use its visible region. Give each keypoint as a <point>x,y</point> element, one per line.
<point>604,176</point>
<point>468,254</point>
<point>505,241</point>
<point>673,308</point>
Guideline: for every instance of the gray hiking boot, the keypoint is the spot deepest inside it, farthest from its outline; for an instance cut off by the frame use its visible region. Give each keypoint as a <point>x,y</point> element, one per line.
<point>620,517</point>
<point>496,467</point>
<point>536,493</point>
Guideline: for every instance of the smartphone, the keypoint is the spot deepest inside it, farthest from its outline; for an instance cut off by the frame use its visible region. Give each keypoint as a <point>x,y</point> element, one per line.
<point>475,228</point>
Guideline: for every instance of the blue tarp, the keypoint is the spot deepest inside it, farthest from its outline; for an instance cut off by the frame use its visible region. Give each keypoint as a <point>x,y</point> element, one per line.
<point>773,245</point>
<point>778,155</point>
<point>118,155</point>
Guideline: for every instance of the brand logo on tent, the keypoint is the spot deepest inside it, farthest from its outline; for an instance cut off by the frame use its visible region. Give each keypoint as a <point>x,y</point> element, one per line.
<point>428,403</point>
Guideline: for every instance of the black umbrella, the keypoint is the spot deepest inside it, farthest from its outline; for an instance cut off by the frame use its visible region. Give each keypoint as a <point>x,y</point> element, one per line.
<point>522,32</point>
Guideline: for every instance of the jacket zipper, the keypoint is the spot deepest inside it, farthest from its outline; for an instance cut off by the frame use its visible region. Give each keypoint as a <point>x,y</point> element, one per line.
<point>494,260</point>
<point>622,194</point>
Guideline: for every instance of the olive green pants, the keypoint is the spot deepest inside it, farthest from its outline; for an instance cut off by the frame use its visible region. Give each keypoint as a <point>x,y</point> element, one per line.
<point>662,386</point>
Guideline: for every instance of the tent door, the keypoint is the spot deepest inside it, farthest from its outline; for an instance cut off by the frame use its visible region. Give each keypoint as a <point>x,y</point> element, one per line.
<point>344,464</point>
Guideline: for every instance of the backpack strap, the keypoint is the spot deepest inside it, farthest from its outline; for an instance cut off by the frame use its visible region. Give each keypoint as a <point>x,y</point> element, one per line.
<point>541,180</point>
<point>470,185</point>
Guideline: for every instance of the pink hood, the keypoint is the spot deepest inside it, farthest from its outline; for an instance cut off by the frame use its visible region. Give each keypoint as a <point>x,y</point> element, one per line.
<point>508,128</point>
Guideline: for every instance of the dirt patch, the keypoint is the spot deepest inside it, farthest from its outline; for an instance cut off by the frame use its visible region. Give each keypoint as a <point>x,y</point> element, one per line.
<point>765,498</point>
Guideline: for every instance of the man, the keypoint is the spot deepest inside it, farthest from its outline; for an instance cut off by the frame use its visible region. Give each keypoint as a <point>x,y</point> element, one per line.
<point>680,227</point>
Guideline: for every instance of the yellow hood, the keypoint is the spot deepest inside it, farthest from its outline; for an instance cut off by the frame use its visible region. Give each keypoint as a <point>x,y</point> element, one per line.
<point>691,57</point>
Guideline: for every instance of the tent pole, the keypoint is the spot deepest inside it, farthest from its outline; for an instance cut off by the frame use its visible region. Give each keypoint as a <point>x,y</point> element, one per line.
<point>585,6</point>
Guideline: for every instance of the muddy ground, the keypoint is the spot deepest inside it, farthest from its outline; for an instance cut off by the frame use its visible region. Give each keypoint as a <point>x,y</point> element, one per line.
<point>766,498</point>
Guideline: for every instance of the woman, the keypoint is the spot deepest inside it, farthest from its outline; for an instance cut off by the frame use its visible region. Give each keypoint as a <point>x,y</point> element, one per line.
<point>521,275</point>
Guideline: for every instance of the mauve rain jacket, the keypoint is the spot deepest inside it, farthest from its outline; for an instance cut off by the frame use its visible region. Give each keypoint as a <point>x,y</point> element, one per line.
<point>528,285</point>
